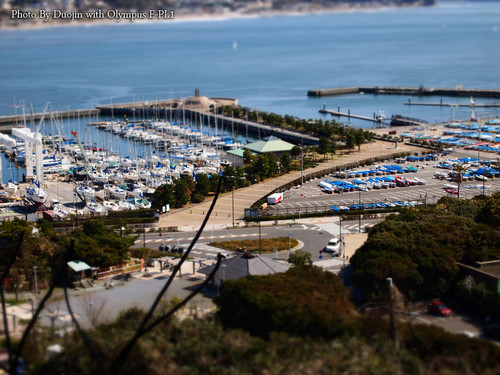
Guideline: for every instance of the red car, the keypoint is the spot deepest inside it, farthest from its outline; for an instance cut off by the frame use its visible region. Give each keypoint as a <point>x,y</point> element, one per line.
<point>438,308</point>
<point>451,191</point>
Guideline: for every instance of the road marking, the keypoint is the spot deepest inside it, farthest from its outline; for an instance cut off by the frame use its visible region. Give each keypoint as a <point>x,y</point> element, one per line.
<point>328,263</point>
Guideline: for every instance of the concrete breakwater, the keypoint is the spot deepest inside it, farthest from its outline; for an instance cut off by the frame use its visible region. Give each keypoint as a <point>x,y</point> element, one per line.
<point>413,91</point>
<point>169,110</point>
<point>256,129</point>
<point>8,122</point>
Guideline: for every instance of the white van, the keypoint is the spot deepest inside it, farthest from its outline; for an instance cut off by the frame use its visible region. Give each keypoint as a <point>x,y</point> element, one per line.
<point>275,198</point>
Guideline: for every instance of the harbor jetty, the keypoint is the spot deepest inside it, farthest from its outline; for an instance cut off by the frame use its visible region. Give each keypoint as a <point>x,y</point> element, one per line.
<point>375,118</point>
<point>173,108</point>
<point>8,122</point>
<point>412,91</point>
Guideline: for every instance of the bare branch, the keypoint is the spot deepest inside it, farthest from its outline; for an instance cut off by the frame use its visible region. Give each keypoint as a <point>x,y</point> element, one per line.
<point>120,359</point>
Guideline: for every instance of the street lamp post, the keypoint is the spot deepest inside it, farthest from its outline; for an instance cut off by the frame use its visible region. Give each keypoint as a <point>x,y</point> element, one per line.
<point>453,107</point>
<point>359,205</point>
<point>302,163</point>
<point>290,241</point>
<point>36,282</point>
<point>143,235</point>
<point>232,199</point>
<point>260,239</point>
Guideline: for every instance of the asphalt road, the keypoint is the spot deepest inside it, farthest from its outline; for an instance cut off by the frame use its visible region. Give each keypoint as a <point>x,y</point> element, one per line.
<point>313,236</point>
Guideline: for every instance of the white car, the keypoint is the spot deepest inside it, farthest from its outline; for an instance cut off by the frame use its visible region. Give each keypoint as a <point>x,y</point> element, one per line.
<point>480,177</point>
<point>333,246</point>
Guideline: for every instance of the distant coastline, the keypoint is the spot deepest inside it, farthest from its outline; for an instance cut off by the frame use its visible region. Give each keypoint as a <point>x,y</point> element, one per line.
<point>7,23</point>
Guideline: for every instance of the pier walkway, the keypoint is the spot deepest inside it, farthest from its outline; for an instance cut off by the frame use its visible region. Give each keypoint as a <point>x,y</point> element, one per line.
<point>348,114</point>
<point>191,218</point>
<point>9,122</point>
<point>441,104</point>
<point>415,91</point>
<point>257,129</point>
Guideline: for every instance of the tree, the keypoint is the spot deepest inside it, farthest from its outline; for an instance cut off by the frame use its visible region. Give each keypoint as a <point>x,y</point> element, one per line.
<point>295,152</point>
<point>420,249</point>
<point>163,195</point>
<point>201,189</point>
<point>182,192</point>
<point>459,169</point>
<point>99,246</point>
<point>490,212</point>
<point>287,302</point>
<point>350,140</point>
<point>248,156</point>
<point>333,148</point>
<point>286,162</point>
<point>230,178</point>
<point>261,166</point>
<point>359,137</point>
<point>299,258</point>
<point>324,146</point>
<point>273,164</point>
<point>189,180</point>
<point>36,249</point>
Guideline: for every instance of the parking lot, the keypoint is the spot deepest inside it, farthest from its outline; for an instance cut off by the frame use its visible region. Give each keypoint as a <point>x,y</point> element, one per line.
<point>312,198</point>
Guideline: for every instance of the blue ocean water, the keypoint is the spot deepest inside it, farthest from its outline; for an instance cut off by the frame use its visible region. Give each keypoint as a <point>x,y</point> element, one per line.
<point>267,63</point>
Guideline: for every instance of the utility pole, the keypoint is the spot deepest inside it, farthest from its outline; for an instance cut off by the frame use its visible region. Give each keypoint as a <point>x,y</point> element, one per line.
<point>260,239</point>
<point>302,163</point>
<point>392,317</point>
<point>143,235</point>
<point>359,217</point>
<point>232,199</point>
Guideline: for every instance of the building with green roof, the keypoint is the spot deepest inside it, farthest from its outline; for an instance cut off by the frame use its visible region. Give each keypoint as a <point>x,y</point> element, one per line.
<point>270,144</point>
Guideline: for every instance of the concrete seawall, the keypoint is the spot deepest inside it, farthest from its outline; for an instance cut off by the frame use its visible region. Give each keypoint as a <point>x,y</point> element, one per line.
<point>414,91</point>
<point>9,122</point>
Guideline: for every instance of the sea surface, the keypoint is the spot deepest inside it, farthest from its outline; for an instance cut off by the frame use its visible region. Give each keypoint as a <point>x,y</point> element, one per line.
<point>267,63</point>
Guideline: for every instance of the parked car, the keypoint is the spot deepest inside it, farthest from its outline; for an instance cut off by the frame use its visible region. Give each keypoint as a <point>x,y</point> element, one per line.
<point>438,308</point>
<point>164,248</point>
<point>451,191</point>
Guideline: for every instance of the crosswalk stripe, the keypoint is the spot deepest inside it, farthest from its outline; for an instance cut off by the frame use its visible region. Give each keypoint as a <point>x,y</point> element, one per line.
<point>329,263</point>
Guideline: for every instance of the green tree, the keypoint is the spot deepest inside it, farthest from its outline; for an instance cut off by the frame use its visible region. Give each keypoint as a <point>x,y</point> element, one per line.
<point>420,249</point>
<point>99,246</point>
<point>333,147</point>
<point>299,258</point>
<point>287,302</point>
<point>296,151</point>
<point>230,178</point>
<point>272,161</point>
<point>163,195</point>
<point>460,170</point>
<point>248,156</point>
<point>490,212</point>
<point>324,146</point>
<point>350,141</point>
<point>359,138</point>
<point>182,192</point>
<point>201,189</point>
<point>286,162</point>
<point>261,166</point>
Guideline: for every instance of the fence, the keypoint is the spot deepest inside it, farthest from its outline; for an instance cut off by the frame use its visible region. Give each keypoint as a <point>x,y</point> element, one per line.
<point>106,273</point>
